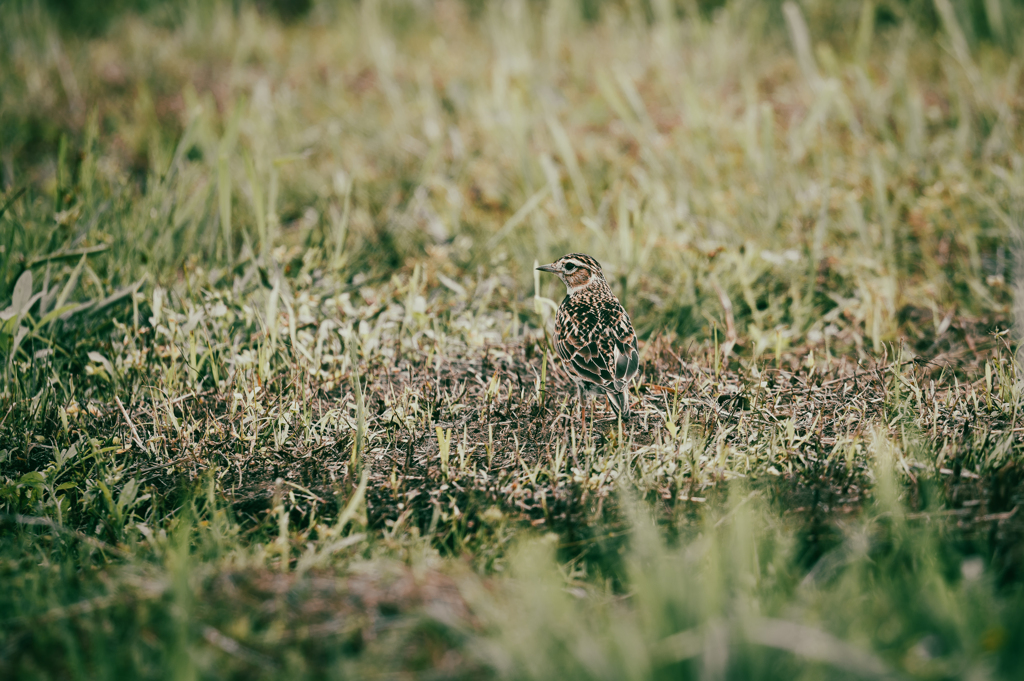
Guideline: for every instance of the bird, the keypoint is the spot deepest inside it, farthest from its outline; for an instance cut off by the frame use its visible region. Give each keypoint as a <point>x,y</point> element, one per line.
<point>594,336</point>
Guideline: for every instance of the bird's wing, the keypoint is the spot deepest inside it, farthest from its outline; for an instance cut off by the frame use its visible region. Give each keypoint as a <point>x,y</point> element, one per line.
<point>579,343</point>
<point>597,343</point>
<point>624,349</point>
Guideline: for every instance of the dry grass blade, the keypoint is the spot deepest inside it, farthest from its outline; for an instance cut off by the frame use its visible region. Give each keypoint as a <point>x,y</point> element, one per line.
<point>128,420</point>
<point>815,644</point>
<point>233,647</point>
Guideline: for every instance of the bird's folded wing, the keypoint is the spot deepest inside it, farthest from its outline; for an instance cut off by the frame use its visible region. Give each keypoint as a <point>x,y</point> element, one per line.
<point>627,361</point>
<point>606,354</point>
<point>583,358</point>
<point>624,352</point>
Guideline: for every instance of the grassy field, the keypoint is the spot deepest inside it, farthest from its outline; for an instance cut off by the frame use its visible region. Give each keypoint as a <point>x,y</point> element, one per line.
<point>278,397</point>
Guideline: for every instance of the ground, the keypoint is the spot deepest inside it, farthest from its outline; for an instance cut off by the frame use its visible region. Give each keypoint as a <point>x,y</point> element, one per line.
<point>279,395</point>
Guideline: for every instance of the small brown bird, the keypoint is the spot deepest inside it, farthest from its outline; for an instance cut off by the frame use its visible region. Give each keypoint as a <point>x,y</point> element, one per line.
<point>593,334</point>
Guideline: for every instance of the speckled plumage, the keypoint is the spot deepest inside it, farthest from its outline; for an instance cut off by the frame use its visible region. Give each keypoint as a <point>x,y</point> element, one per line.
<point>593,334</point>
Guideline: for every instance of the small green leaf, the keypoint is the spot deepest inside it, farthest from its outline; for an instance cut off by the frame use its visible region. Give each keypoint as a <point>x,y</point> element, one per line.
<point>72,282</point>
<point>53,314</point>
<point>32,479</point>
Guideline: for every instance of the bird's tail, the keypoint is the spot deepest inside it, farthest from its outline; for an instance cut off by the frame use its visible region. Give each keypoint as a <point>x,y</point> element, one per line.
<point>620,403</point>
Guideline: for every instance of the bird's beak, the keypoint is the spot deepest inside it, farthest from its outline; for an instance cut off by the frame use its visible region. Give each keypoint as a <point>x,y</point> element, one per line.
<point>549,268</point>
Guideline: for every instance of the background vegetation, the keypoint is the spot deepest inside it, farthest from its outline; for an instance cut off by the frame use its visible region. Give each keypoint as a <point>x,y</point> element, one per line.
<point>278,396</point>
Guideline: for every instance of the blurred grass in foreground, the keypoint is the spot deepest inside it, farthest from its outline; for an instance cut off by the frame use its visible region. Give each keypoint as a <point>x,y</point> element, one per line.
<point>891,599</point>
<point>276,400</point>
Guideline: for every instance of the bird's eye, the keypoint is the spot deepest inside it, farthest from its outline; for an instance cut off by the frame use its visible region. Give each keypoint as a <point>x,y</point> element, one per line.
<point>569,267</point>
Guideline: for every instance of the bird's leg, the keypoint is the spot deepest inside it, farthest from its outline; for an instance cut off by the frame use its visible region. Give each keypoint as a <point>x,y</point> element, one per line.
<point>583,418</point>
<point>593,414</point>
<point>583,413</point>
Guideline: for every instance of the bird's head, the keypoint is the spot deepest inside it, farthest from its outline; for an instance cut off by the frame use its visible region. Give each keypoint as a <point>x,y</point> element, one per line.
<point>577,271</point>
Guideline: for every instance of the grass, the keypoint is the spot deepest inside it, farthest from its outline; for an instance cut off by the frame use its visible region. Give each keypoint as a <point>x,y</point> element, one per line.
<point>278,392</point>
